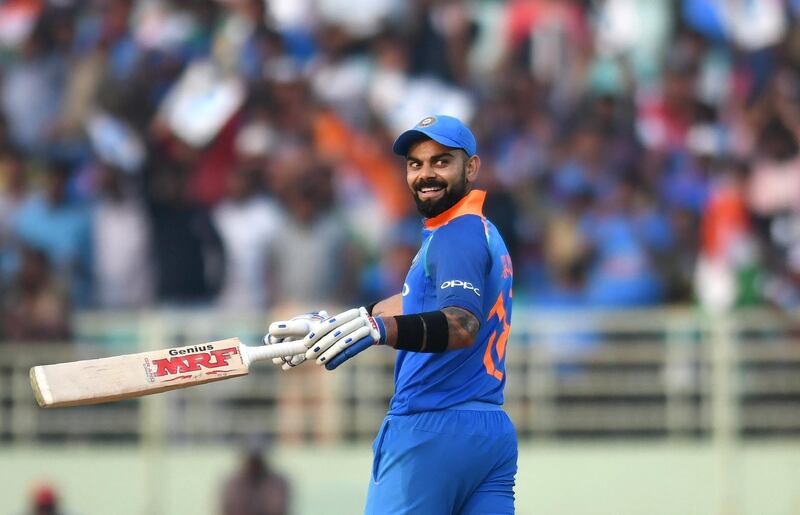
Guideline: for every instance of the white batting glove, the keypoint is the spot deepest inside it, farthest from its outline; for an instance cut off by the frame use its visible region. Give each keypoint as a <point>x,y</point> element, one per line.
<point>336,334</point>
<point>292,330</point>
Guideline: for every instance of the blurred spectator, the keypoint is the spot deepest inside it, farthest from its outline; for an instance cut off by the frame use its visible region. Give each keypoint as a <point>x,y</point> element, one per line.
<point>587,164</point>
<point>566,254</point>
<point>35,307</point>
<point>31,87</point>
<point>123,272</point>
<point>249,225</point>
<point>442,33</point>
<point>13,190</point>
<point>776,172</point>
<point>776,210</point>
<point>633,35</point>
<point>501,209</point>
<point>665,110</point>
<point>256,489</point>
<point>340,78</point>
<point>548,40</point>
<point>728,255</point>
<point>314,262</point>
<point>58,225</point>
<point>44,500</point>
<point>189,258</point>
<point>623,234</point>
<point>679,267</point>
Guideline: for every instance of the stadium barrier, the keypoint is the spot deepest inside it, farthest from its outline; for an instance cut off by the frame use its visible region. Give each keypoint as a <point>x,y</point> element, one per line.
<point>650,374</point>
<point>659,411</point>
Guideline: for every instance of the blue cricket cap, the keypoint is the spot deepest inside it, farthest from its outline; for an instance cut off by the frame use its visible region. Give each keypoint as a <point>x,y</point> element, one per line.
<point>445,130</point>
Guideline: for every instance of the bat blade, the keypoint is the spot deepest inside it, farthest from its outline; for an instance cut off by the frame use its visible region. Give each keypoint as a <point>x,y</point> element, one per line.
<point>133,375</point>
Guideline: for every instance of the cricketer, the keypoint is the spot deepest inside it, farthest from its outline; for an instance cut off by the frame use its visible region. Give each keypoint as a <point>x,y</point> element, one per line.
<point>446,445</point>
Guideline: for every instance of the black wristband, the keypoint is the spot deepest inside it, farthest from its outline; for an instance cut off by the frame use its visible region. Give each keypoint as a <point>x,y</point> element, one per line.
<point>422,332</point>
<point>371,306</point>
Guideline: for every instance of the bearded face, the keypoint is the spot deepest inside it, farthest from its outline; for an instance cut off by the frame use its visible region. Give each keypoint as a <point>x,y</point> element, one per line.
<point>434,196</point>
<point>437,177</point>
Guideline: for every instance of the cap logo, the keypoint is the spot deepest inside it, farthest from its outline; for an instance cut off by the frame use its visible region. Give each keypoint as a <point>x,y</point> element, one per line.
<point>427,121</point>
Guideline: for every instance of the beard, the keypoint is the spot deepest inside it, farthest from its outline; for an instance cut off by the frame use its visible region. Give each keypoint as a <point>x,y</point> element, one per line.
<point>452,194</point>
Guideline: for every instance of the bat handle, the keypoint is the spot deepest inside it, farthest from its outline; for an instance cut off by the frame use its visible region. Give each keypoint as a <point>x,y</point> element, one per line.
<point>277,350</point>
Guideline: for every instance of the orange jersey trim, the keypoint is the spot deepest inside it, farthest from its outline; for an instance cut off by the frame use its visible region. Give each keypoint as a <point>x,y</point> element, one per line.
<point>471,204</point>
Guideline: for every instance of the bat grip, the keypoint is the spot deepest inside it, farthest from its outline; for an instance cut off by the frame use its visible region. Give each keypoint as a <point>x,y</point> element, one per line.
<point>276,350</point>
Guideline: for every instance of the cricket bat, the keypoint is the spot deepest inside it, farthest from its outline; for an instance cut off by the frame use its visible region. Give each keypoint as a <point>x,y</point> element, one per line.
<point>133,375</point>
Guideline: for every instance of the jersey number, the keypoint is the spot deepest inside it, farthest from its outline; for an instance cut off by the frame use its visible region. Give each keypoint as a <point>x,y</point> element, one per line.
<point>497,342</point>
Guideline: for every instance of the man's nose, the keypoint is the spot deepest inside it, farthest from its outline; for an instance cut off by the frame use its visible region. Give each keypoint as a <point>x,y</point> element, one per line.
<point>426,170</point>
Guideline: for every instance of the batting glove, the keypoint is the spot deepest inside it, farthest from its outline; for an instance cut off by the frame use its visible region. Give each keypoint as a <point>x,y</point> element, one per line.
<point>292,330</point>
<point>341,337</point>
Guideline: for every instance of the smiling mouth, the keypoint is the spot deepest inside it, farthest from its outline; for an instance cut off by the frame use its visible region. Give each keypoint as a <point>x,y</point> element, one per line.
<point>430,191</point>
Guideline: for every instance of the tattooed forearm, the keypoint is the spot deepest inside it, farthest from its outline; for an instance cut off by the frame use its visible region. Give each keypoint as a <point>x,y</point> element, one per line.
<point>389,307</point>
<point>462,326</point>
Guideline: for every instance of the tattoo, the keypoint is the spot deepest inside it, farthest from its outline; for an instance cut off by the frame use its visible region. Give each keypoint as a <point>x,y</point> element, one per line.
<point>463,327</point>
<point>389,307</point>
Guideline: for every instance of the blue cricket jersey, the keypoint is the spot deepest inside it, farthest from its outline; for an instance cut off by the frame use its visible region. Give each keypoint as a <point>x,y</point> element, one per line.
<point>462,262</point>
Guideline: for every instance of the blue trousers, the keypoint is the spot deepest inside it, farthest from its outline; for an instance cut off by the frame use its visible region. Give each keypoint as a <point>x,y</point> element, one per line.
<point>457,461</point>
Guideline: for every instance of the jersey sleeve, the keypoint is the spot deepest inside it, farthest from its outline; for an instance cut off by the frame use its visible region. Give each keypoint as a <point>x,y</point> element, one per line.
<point>458,261</point>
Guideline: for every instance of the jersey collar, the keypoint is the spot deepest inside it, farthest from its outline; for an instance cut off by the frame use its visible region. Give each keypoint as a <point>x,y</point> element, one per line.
<point>471,204</point>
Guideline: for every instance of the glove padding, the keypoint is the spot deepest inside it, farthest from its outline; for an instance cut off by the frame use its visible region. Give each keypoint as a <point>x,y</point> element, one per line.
<point>342,336</point>
<point>292,330</point>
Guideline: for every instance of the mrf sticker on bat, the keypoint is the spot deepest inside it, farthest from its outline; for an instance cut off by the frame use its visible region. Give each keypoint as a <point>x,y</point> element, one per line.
<point>182,362</point>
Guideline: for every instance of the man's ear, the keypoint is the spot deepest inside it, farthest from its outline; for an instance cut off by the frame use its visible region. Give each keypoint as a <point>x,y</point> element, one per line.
<point>473,166</point>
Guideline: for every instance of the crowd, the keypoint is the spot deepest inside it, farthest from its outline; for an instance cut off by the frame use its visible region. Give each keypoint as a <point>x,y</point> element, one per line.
<point>236,153</point>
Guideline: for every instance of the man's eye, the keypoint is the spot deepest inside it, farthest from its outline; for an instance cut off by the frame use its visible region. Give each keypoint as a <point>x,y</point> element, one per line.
<point>413,165</point>
<point>440,162</point>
